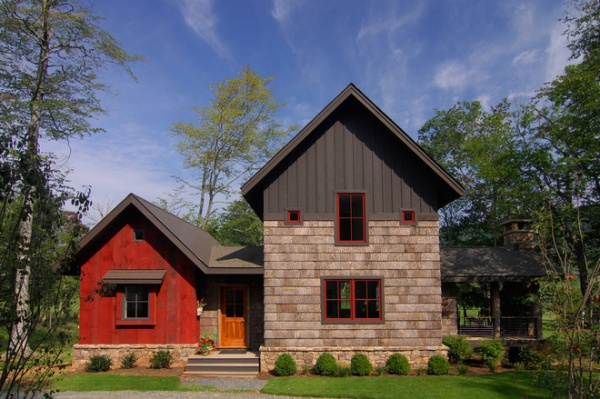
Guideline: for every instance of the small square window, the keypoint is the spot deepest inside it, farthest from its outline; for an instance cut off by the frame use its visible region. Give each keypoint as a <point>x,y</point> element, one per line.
<point>294,217</point>
<point>409,217</point>
<point>138,235</point>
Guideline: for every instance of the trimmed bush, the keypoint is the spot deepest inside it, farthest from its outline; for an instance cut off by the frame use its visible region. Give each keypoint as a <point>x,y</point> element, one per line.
<point>438,365</point>
<point>128,360</point>
<point>492,352</point>
<point>343,371</point>
<point>397,364</point>
<point>161,360</point>
<point>459,348</point>
<point>360,365</point>
<point>535,356</point>
<point>325,365</point>
<point>285,365</point>
<point>98,363</point>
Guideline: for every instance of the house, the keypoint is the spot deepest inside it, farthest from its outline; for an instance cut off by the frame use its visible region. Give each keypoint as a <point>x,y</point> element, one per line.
<point>351,259</point>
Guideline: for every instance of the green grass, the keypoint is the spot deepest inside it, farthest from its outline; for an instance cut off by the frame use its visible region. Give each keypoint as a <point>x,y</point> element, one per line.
<point>115,382</point>
<point>493,386</point>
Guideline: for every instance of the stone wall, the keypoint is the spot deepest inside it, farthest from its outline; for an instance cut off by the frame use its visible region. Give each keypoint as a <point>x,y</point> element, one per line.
<point>82,353</point>
<point>449,309</point>
<point>405,257</point>
<point>307,357</point>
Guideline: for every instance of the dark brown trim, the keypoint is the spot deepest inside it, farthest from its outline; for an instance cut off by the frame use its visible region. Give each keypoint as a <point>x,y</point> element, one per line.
<point>137,276</point>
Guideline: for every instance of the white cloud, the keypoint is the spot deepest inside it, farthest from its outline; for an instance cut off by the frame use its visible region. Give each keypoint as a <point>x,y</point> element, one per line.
<point>452,75</point>
<point>282,9</point>
<point>557,51</point>
<point>391,20</point>
<point>527,57</point>
<point>199,16</point>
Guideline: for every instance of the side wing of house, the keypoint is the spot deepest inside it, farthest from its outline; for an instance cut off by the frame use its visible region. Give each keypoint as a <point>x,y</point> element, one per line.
<point>351,256</point>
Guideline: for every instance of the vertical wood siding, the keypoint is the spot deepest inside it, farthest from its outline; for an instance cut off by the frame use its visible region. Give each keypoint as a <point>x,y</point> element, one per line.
<point>351,150</point>
<point>176,320</point>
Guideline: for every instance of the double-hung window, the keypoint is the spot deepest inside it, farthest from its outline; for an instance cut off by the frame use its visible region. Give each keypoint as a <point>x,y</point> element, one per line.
<point>352,300</point>
<point>351,218</point>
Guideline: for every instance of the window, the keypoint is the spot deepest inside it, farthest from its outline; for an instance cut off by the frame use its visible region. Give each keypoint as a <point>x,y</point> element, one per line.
<point>138,235</point>
<point>352,300</point>
<point>136,302</point>
<point>293,217</point>
<point>409,217</point>
<point>351,219</point>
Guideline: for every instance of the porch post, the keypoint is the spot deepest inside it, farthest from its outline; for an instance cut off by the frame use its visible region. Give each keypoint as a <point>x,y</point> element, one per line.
<point>495,296</point>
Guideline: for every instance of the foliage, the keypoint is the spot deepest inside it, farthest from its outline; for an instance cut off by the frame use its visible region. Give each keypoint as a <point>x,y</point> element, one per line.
<point>161,360</point>
<point>459,349</point>
<point>343,371</point>
<point>206,344</point>
<point>397,364</point>
<point>360,365</point>
<point>98,363</point>
<point>536,356</point>
<point>325,365</point>
<point>438,365</point>
<point>232,138</point>
<point>237,225</point>
<point>285,365</point>
<point>492,352</point>
<point>50,54</point>
<point>462,369</point>
<point>128,360</point>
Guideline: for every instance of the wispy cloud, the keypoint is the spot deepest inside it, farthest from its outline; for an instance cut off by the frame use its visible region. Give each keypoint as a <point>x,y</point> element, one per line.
<point>282,9</point>
<point>200,17</point>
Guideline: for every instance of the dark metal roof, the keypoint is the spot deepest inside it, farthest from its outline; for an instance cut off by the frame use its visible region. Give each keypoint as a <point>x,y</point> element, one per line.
<point>230,259</point>
<point>489,264</point>
<point>195,243</point>
<point>448,190</point>
<point>134,276</point>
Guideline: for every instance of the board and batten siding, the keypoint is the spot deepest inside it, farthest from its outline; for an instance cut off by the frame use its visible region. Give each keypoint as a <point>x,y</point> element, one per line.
<point>406,258</point>
<point>350,150</point>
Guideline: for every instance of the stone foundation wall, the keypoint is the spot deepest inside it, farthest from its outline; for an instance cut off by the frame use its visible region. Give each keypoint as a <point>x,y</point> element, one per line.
<point>307,357</point>
<point>82,353</point>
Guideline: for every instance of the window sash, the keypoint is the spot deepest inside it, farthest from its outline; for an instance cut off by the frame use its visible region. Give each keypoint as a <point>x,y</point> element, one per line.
<point>351,218</point>
<point>136,302</point>
<point>352,300</point>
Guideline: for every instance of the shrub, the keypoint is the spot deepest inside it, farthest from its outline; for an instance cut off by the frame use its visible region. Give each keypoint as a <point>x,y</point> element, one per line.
<point>285,365</point>
<point>360,365</point>
<point>98,363</point>
<point>461,369</point>
<point>325,365</point>
<point>492,352</point>
<point>161,360</point>
<point>535,356</point>
<point>128,360</point>
<point>397,364</point>
<point>459,348</point>
<point>438,365</point>
<point>343,371</point>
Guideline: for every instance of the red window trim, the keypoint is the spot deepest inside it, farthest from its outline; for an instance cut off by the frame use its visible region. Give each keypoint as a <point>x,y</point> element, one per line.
<point>289,216</point>
<point>150,321</point>
<point>338,218</point>
<point>406,212</point>
<point>353,299</point>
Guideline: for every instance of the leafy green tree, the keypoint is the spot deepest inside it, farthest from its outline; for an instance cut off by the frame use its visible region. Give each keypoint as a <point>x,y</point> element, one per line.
<point>233,137</point>
<point>50,53</point>
<point>478,148</point>
<point>237,225</point>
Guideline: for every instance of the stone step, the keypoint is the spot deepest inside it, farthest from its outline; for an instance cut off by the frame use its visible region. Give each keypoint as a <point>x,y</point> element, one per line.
<point>217,364</point>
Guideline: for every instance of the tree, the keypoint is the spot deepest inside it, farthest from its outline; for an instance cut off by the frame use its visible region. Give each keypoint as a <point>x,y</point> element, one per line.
<point>478,148</point>
<point>237,225</point>
<point>233,136</point>
<point>50,52</point>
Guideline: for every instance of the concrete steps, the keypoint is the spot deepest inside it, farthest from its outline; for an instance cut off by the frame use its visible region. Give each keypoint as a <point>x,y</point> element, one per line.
<point>219,364</point>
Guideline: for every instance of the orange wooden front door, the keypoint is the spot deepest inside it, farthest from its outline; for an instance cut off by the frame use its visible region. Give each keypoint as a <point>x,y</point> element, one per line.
<point>233,317</point>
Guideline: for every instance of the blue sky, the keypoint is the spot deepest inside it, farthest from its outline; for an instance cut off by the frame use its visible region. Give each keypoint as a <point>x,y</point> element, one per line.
<point>409,57</point>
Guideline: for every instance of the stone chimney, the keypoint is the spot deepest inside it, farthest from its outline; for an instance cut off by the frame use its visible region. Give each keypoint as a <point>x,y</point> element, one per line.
<point>518,235</point>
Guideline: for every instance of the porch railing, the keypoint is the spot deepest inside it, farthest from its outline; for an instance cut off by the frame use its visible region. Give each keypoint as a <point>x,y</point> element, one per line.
<point>510,327</point>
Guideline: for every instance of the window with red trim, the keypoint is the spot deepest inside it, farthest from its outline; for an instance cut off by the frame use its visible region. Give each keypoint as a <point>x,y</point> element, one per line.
<point>351,218</point>
<point>352,300</point>
<point>293,217</point>
<point>409,217</point>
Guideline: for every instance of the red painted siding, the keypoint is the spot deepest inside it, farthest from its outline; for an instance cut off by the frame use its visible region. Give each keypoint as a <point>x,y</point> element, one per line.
<point>175,300</point>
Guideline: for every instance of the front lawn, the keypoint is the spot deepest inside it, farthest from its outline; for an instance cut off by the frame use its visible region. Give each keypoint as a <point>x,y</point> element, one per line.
<point>514,384</point>
<point>115,382</point>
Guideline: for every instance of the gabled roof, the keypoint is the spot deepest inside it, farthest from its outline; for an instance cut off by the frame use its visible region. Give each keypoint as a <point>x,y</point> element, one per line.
<point>192,241</point>
<point>252,188</point>
<point>489,264</point>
